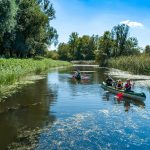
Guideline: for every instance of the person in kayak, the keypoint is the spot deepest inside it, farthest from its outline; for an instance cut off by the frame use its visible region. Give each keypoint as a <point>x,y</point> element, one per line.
<point>109,81</point>
<point>77,75</point>
<point>119,84</point>
<point>128,86</point>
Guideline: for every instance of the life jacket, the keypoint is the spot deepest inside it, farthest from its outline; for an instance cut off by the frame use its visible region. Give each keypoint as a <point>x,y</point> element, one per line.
<point>128,86</point>
<point>119,85</point>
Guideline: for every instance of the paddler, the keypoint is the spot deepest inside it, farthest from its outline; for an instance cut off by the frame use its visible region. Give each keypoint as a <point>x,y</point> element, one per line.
<point>109,81</point>
<point>128,85</point>
<point>78,75</point>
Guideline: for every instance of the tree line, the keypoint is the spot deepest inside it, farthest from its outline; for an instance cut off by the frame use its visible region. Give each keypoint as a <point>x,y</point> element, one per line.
<point>114,43</point>
<point>25,29</point>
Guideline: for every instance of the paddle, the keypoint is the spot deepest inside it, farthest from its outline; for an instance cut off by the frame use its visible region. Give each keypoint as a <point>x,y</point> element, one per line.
<point>113,81</point>
<point>133,83</point>
<point>111,78</point>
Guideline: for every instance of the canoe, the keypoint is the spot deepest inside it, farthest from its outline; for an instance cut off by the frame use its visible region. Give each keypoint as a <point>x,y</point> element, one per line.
<point>132,95</point>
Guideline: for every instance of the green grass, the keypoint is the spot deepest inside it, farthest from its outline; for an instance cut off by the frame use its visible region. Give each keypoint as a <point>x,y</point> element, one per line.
<point>13,71</point>
<point>134,64</point>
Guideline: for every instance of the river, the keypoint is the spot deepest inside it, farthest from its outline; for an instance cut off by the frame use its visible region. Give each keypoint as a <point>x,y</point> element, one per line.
<point>58,112</point>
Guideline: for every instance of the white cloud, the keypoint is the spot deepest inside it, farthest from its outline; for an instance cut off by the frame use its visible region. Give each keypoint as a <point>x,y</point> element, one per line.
<point>131,23</point>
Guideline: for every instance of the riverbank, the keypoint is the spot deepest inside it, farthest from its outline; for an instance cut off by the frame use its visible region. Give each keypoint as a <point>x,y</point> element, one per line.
<point>134,64</point>
<point>86,62</point>
<point>14,72</point>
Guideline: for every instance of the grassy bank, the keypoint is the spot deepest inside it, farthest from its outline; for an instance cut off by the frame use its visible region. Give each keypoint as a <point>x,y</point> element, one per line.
<point>134,64</point>
<point>14,70</point>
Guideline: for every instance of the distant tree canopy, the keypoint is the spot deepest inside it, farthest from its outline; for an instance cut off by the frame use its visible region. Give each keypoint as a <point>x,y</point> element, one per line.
<point>110,44</point>
<point>116,43</point>
<point>147,49</point>
<point>25,27</point>
<point>78,48</point>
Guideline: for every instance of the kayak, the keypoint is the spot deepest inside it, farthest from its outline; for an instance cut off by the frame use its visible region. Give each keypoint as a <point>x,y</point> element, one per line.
<point>81,78</point>
<point>76,77</point>
<point>132,95</point>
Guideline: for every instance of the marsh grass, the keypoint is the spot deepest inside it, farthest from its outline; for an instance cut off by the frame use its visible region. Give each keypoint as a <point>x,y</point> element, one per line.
<point>13,71</point>
<point>134,64</point>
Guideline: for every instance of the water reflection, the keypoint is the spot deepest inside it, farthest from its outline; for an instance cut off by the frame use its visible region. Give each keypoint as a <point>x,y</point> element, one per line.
<point>108,96</point>
<point>73,114</point>
<point>29,108</point>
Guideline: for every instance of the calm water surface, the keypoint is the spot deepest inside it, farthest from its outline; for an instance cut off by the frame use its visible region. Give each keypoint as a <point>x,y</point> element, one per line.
<point>74,115</point>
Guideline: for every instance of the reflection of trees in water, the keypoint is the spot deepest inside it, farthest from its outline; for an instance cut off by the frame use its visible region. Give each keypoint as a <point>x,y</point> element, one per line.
<point>28,108</point>
<point>99,76</point>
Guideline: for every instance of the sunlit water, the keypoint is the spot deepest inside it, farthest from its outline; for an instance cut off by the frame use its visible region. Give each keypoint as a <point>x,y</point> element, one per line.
<point>77,115</point>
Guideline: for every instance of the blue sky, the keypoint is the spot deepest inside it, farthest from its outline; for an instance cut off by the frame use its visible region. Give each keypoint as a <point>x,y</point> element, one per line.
<point>88,17</point>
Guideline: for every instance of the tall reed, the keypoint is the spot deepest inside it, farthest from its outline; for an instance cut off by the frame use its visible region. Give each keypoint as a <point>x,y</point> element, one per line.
<point>136,64</point>
<point>13,70</point>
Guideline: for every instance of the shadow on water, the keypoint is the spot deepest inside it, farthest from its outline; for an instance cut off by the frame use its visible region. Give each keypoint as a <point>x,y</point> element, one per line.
<point>26,110</point>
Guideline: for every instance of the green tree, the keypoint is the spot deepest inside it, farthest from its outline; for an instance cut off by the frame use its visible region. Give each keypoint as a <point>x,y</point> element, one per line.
<point>105,48</point>
<point>73,42</point>
<point>120,35</point>
<point>64,51</point>
<point>8,11</point>
<point>30,34</point>
<point>147,49</point>
<point>132,46</point>
<point>106,43</point>
<point>52,54</point>
<point>48,9</point>
<point>85,45</point>
<point>92,47</point>
<point>25,27</point>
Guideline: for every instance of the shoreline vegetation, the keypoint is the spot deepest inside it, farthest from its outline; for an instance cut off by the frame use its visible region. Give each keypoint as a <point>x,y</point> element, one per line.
<point>16,72</point>
<point>22,37</point>
<point>137,64</point>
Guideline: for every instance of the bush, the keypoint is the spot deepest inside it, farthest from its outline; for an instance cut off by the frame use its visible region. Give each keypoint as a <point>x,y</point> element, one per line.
<point>38,58</point>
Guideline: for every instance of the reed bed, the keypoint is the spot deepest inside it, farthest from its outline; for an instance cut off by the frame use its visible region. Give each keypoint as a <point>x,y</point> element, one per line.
<point>135,64</point>
<point>13,70</point>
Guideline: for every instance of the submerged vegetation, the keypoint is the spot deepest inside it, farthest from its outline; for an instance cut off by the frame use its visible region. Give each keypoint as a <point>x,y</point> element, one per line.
<point>139,64</point>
